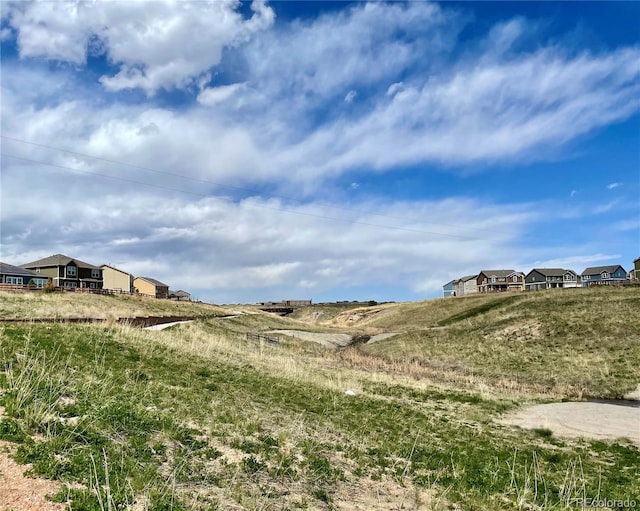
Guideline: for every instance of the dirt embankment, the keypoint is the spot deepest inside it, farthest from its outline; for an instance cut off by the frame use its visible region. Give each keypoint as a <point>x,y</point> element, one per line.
<point>597,420</point>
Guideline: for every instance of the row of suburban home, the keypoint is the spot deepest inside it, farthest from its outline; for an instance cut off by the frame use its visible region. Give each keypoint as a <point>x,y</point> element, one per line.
<point>68,273</point>
<point>491,281</point>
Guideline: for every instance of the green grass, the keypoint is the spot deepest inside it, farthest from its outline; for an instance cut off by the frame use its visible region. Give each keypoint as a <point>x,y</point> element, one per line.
<point>199,418</point>
<point>572,343</point>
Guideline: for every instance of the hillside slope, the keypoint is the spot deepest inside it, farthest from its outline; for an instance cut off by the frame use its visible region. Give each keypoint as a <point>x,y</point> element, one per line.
<point>200,417</point>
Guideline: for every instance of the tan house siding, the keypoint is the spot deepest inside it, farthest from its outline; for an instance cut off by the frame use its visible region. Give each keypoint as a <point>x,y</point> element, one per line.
<point>145,286</point>
<point>116,280</point>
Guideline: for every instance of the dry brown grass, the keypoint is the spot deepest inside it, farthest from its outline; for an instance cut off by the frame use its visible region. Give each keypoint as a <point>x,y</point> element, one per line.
<point>38,304</point>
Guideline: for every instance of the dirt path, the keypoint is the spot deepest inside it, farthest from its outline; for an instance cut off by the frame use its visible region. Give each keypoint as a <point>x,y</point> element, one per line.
<point>19,492</point>
<point>166,325</point>
<point>597,420</point>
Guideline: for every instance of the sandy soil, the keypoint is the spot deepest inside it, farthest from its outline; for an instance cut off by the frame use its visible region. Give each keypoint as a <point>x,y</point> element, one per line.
<point>366,495</point>
<point>381,337</point>
<point>597,420</point>
<point>19,492</point>
<point>328,340</point>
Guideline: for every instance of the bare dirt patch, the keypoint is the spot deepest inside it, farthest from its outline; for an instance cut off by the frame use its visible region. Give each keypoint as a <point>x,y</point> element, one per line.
<point>597,420</point>
<point>328,340</point>
<point>523,331</point>
<point>380,337</point>
<point>22,493</point>
<point>365,494</point>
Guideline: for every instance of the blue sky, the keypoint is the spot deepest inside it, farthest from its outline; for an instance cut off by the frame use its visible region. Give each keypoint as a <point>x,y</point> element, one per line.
<point>324,150</point>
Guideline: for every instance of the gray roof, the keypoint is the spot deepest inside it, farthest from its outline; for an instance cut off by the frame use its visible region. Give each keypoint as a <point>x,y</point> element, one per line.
<point>597,270</point>
<point>180,292</point>
<point>155,282</point>
<point>58,260</point>
<point>9,269</point>
<point>466,278</point>
<point>552,272</point>
<point>498,273</point>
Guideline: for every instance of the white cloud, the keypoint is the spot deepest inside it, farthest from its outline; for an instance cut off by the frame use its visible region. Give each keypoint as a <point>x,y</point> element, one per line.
<point>351,95</point>
<point>282,126</point>
<point>234,248</point>
<point>611,186</point>
<point>213,95</point>
<point>164,45</point>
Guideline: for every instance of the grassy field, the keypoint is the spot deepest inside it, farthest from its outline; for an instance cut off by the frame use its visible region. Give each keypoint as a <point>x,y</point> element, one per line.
<point>37,304</point>
<point>197,417</point>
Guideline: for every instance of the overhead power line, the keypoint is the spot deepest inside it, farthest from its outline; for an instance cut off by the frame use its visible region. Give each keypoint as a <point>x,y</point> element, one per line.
<point>252,200</point>
<point>239,188</point>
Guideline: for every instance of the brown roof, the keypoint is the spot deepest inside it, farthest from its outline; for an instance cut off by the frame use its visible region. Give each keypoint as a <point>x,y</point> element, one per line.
<point>58,260</point>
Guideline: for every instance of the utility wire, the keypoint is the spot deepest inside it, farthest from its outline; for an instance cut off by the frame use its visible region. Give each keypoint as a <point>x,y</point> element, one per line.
<point>285,210</point>
<point>238,188</point>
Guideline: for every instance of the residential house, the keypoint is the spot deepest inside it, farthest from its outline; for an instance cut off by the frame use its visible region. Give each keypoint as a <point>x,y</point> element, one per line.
<point>116,280</point>
<point>67,272</point>
<point>466,285</point>
<point>603,275</point>
<point>447,289</point>
<point>151,287</point>
<point>550,278</point>
<point>636,269</point>
<point>492,281</point>
<point>180,296</point>
<point>17,276</point>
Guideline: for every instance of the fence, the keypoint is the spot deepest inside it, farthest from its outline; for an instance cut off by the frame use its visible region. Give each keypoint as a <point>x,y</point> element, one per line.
<point>269,339</point>
<point>95,291</point>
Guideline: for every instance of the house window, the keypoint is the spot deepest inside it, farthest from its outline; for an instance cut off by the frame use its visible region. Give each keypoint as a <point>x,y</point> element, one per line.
<point>70,284</point>
<point>92,285</point>
<point>13,280</point>
<point>71,271</point>
<point>515,278</point>
<point>586,277</point>
<point>95,274</point>
<point>37,270</point>
<point>39,282</point>
<point>605,275</point>
<point>493,279</point>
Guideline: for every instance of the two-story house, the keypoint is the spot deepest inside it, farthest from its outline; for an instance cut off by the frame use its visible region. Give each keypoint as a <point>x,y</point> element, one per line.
<point>492,281</point>
<point>16,276</point>
<point>67,272</point>
<point>466,285</point>
<point>151,287</point>
<point>603,275</point>
<point>116,280</point>
<point>549,278</point>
